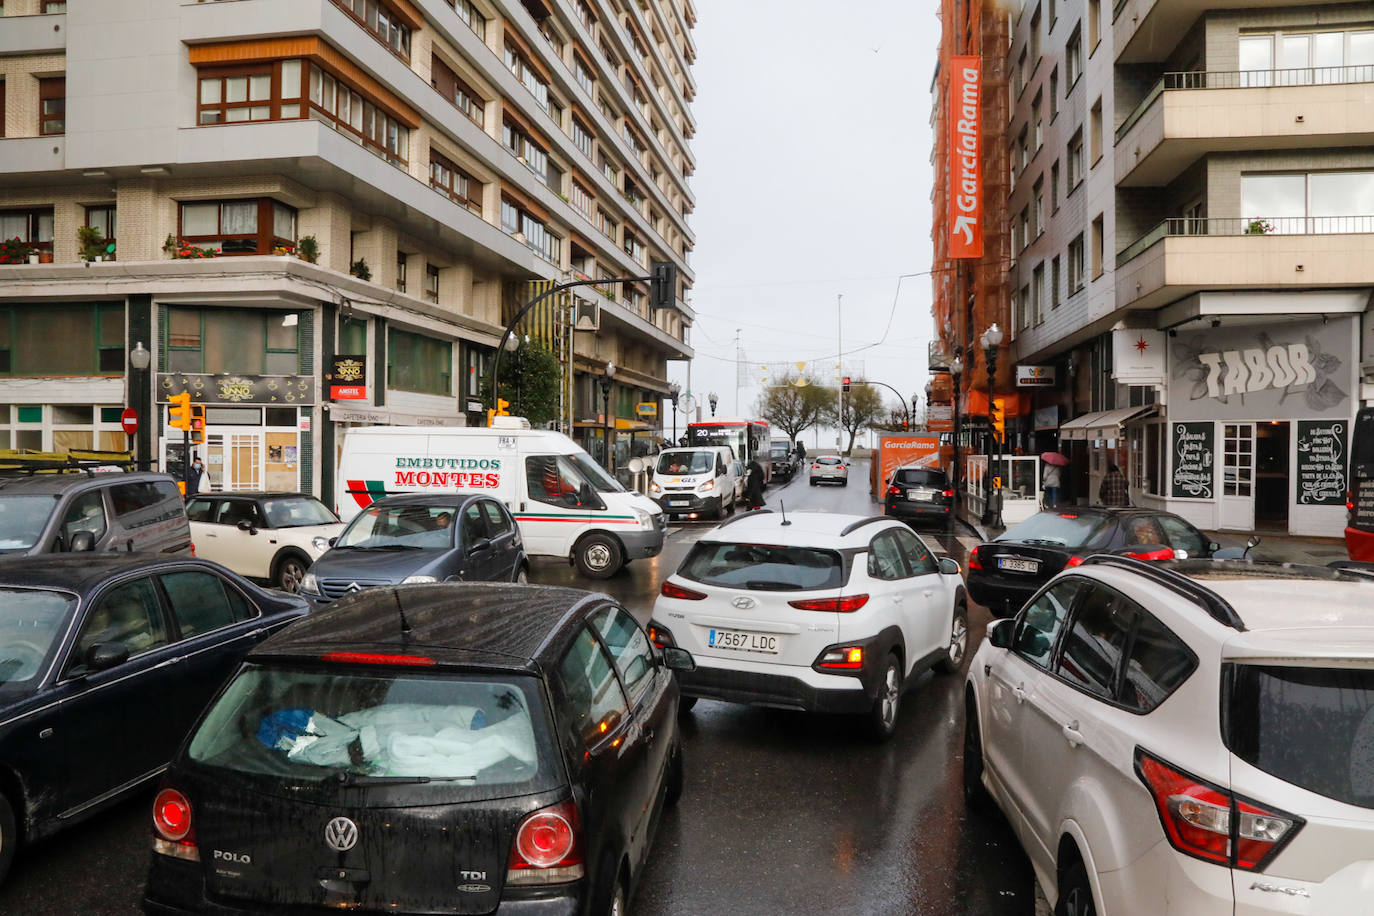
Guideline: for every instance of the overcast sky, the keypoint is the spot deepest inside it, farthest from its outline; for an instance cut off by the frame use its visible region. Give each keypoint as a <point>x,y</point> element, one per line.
<point>813,180</point>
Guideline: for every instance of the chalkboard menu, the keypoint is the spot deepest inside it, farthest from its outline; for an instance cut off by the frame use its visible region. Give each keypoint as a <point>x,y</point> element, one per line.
<point>1193,448</point>
<point>1321,462</point>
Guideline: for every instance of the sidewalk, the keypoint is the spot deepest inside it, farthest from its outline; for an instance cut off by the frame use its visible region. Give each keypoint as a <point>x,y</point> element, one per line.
<point>1276,548</point>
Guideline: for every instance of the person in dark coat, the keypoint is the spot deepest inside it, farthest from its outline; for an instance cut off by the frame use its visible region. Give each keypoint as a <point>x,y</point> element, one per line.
<point>194,475</point>
<point>753,485</point>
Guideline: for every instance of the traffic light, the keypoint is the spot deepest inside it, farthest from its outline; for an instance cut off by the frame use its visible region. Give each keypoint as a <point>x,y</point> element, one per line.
<point>179,410</point>
<point>502,410</point>
<point>663,285</point>
<point>845,380</point>
<point>197,424</point>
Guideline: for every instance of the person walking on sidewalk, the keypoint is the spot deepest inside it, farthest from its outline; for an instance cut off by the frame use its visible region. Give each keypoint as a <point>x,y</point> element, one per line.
<point>1115,489</point>
<point>1051,481</point>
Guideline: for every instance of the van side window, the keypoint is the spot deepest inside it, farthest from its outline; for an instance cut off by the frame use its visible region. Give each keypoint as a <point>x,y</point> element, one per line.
<point>549,480</point>
<point>86,513</point>
<point>145,502</point>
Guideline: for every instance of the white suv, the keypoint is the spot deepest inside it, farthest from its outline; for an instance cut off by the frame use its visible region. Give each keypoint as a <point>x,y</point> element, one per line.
<point>813,611</point>
<point>1193,737</point>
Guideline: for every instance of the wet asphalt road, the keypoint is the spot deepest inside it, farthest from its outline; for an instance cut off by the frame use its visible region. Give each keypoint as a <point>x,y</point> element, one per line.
<point>783,812</point>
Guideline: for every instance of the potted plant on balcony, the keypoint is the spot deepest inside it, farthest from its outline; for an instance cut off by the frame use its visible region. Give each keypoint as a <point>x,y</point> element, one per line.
<point>1259,227</point>
<point>14,251</point>
<point>361,270</point>
<point>284,251</point>
<point>92,243</point>
<point>308,248</point>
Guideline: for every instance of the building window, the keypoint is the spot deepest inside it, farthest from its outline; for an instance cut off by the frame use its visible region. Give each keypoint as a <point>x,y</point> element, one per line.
<point>1019,77</point>
<point>1075,159</point>
<point>1035,36</point>
<point>1054,94</point>
<point>586,16</point>
<point>608,167</point>
<point>1023,145</point>
<point>1055,281</point>
<point>515,219</point>
<point>1073,58</point>
<point>1306,57</point>
<point>269,91</point>
<point>528,76</point>
<point>418,363</point>
<point>1094,24</point>
<point>1054,187</point>
<point>451,181</point>
<point>54,6</point>
<point>1076,264</point>
<point>352,335</point>
<point>1098,265</point>
<point>1038,294</point>
<point>1025,299</point>
<point>525,149</point>
<point>1036,107</point>
<point>606,224</point>
<point>632,139</point>
<point>584,74</point>
<point>32,226</point>
<point>219,340</point>
<point>634,247</point>
<point>103,219</point>
<point>58,339</point>
<point>469,14</point>
<point>582,200</point>
<point>443,79</point>
<point>1095,132</point>
<point>52,110</point>
<point>400,271</point>
<point>383,22</point>
<point>1295,204</point>
<point>253,226</point>
<point>2,96</point>
<point>582,136</point>
<point>357,117</point>
<point>1025,227</point>
<point>1039,206</point>
<point>432,283</point>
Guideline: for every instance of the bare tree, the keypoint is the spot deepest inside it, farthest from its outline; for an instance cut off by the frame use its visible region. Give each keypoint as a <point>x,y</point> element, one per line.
<point>794,405</point>
<point>863,406</point>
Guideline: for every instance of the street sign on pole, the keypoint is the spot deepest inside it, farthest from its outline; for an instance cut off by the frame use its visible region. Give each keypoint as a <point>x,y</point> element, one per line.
<point>128,420</point>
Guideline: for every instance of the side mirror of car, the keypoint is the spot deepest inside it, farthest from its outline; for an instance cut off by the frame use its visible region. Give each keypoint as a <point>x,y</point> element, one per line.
<point>481,545</point>
<point>677,659</point>
<point>948,566</point>
<point>1180,554</point>
<point>1213,547</point>
<point>1252,542</point>
<point>105,655</point>
<point>83,542</point>
<point>585,494</point>
<point>246,525</point>
<point>1000,633</point>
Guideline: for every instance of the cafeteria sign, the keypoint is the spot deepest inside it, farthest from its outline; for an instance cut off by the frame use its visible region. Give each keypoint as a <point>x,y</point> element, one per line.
<point>1035,376</point>
<point>348,378</point>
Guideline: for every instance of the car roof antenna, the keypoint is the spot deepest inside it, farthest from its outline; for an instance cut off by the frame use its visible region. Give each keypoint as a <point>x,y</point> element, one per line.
<point>783,506</point>
<point>400,611</point>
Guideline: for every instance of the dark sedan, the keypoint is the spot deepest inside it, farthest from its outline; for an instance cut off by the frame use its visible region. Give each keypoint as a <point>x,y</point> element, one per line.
<point>428,749</point>
<point>919,494</point>
<point>1005,572</point>
<point>105,662</point>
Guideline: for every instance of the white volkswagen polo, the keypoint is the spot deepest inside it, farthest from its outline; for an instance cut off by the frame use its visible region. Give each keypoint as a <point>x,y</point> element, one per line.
<point>813,611</point>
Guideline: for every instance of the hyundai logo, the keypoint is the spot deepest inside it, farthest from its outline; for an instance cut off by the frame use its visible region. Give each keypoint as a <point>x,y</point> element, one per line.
<point>744,602</point>
<point>341,834</point>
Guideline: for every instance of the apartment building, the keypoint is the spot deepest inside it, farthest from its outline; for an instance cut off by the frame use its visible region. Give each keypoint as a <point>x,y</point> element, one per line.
<point>1191,221</point>
<point>321,214</point>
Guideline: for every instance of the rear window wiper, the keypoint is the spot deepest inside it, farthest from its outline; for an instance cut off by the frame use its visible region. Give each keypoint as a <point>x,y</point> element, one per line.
<point>765,585</point>
<point>348,778</point>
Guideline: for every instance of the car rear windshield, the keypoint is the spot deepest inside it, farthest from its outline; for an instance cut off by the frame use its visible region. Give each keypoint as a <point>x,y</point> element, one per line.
<point>686,462</point>
<point>303,726</point>
<point>764,567</point>
<point>31,622</point>
<point>1311,727</point>
<point>917,477</point>
<point>827,461</point>
<point>1057,529</point>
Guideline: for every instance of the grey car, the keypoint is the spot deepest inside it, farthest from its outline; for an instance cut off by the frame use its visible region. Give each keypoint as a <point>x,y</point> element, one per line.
<point>416,538</point>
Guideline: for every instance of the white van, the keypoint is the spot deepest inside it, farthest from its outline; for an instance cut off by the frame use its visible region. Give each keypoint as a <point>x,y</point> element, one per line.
<point>695,481</point>
<point>566,505</point>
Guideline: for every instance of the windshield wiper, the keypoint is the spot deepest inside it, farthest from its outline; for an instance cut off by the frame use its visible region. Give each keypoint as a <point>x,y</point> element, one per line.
<point>387,547</point>
<point>349,778</point>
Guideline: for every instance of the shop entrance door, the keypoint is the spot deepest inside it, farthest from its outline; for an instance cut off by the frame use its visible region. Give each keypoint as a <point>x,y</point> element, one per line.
<point>1238,476</point>
<point>1271,476</point>
<point>233,461</point>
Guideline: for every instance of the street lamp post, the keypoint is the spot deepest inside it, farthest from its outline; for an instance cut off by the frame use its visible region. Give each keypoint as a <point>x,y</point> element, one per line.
<point>674,391</point>
<point>607,379</point>
<point>714,399</point>
<point>140,358</point>
<point>956,369</point>
<point>991,340</point>
<point>913,412</point>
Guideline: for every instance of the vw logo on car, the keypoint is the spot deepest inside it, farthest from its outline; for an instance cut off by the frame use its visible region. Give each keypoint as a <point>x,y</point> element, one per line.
<point>341,834</point>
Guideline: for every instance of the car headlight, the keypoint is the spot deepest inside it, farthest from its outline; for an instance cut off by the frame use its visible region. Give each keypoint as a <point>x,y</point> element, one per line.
<point>708,485</point>
<point>418,580</point>
<point>310,584</point>
<point>654,487</point>
<point>645,518</point>
<point>320,543</point>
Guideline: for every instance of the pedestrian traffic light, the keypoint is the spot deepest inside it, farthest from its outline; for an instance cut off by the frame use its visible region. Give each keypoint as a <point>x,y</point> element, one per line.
<point>663,286</point>
<point>179,410</point>
<point>197,424</point>
<point>846,383</point>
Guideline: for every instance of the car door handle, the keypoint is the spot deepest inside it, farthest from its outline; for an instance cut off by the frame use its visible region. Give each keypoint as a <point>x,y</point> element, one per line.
<point>1072,734</point>
<point>259,633</point>
<point>1019,694</point>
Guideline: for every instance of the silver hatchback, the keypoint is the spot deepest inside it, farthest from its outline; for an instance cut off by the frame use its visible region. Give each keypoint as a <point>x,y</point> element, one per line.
<point>830,468</point>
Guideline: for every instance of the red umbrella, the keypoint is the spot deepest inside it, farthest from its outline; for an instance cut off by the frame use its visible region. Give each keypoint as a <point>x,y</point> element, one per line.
<point>1054,458</point>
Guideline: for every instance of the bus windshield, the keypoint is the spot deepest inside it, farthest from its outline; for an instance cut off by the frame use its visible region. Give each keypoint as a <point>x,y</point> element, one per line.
<point>734,436</point>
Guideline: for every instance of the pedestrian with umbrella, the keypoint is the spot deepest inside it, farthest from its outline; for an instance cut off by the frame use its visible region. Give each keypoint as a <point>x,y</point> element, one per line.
<point>1051,479</point>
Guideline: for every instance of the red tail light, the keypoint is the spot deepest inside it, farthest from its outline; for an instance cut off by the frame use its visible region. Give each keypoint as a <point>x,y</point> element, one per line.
<point>1162,553</point>
<point>1202,820</point>
<point>669,590</point>
<point>1074,561</point>
<point>894,491</point>
<point>846,658</point>
<point>547,847</point>
<point>948,494</point>
<point>193,549</point>
<point>174,832</point>
<point>815,467</point>
<point>846,605</point>
<point>376,658</point>
<point>973,562</point>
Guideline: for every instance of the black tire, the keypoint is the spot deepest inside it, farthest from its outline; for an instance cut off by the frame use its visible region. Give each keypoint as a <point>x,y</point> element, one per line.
<point>522,575</point>
<point>674,780</point>
<point>957,649</point>
<point>1075,893</point>
<point>887,705</point>
<point>976,796</point>
<point>9,837</point>
<point>598,556</point>
<point>685,704</point>
<point>813,481</point>
<point>288,571</point>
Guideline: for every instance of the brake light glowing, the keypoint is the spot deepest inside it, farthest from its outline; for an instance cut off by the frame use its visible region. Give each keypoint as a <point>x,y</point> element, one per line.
<point>815,467</point>
<point>1201,819</point>
<point>1163,553</point>
<point>894,491</point>
<point>660,637</point>
<point>1074,561</point>
<point>1066,515</point>
<point>375,658</point>
<point>848,658</point>
<point>846,605</point>
<point>547,848</point>
<point>948,494</point>
<point>172,816</point>
<point>672,590</point>
<point>193,548</point>
<point>973,562</point>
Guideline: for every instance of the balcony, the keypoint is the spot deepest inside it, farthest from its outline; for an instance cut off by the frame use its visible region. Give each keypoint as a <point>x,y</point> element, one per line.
<point>1182,256</point>
<point>36,34</point>
<point>1187,115</point>
<point>1146,31</point>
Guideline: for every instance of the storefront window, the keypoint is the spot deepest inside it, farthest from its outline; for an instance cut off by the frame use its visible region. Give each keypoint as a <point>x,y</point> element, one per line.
<point>37,340</point>
<point>419,363</point>
<point>352,335</point>
<point>252,342</point>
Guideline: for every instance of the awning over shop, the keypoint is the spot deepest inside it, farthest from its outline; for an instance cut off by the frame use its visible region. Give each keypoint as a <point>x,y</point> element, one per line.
<point>1105,424</point>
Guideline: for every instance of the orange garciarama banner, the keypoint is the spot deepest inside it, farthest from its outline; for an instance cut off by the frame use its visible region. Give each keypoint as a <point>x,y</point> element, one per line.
<point>965,191</point>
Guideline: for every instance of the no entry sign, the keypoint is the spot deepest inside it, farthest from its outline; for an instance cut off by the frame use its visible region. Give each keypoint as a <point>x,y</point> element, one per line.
<point>128,419</point>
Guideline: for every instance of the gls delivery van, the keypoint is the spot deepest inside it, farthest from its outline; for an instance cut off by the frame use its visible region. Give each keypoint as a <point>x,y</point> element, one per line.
<point>565,504</point>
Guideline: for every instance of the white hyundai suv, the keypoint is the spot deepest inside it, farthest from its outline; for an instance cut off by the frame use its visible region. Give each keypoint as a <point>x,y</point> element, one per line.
<point>1192,737</point>
<point>813,611</point>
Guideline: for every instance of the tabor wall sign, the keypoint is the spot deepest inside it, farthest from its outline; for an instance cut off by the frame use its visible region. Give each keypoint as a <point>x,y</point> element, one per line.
<point>1035,376</point>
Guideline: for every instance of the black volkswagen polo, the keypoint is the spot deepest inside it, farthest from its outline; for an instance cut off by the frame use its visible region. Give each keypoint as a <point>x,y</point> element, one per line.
<point>1005,572</point>
<point>449,748</point>
<point>106,661</point>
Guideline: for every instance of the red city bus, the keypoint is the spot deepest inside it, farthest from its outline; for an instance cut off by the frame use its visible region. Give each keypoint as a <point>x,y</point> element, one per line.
<point>1359,500</point>
<point>748,439</point>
